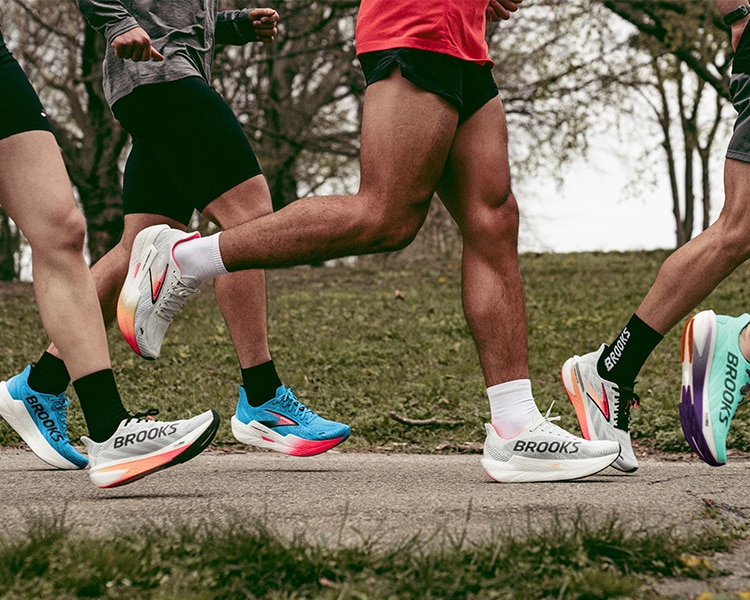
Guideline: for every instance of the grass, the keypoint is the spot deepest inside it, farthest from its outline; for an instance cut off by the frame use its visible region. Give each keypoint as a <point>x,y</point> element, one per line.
<point>576,560</point>
<point>388,336</point>
<point>359,343</point>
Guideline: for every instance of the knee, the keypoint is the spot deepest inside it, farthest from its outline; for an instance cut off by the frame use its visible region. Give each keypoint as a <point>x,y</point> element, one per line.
<point>497,220</point>
<point>64,235</point>
<point>731,240</point>
<point>395,230</point>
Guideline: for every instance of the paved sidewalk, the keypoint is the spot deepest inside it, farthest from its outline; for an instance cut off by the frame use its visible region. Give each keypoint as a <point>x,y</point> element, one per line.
<point>352,494</point>
<point>342,498</point>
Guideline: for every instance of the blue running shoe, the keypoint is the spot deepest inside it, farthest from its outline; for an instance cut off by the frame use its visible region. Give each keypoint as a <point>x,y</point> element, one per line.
<point>286,425</point>
<point>715,379</point>
<point>41,420</point>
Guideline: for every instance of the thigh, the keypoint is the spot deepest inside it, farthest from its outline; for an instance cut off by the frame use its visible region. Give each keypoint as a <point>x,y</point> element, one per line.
<point>407,134</point>
<point>477,173</point>
<point>194,135</point>
<point>34,186</point>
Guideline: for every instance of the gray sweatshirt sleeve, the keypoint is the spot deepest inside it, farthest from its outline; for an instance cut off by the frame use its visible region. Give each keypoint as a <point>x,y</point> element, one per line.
<point>108,17</point>
<point>234,28</point>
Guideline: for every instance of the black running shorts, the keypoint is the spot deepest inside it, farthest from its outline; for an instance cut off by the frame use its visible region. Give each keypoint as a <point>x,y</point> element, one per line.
<point>20,108</point>
<point>739,87</point>
<point>188,148</point>
<point>466,85</point>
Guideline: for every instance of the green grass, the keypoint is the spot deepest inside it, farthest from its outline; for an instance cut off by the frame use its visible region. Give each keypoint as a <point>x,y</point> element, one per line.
<point>576,560</point>
<point>357,351</point>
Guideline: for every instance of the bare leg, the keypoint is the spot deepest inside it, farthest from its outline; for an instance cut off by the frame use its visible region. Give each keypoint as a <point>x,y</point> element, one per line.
<point>36,192</point>
<point>241,296</point>
<point>692,272</point>
<point>406,136</point>
<point>476,190</point>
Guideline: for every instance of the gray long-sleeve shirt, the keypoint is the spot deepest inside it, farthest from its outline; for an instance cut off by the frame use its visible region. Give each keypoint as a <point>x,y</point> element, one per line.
<point>184,31</point>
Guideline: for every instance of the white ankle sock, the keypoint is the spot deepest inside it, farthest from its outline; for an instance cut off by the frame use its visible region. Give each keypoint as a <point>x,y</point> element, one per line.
<point>512,407</point>
<point>200,258</point>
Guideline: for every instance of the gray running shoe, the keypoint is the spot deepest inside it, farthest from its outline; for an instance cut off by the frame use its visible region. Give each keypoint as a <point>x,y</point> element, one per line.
<point>142,445</point>
<point>602,407</point>
<point>544,452</point>
<point>154,289</point>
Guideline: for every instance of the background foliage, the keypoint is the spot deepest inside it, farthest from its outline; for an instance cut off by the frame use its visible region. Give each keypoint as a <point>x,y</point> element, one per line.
<point>387,337</point>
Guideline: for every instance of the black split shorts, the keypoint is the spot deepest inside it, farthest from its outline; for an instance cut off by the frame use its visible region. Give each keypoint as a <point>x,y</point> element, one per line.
<point>466,85</point>
<point>739,87</point>
<point>20,108</point>
<point>188,148</point>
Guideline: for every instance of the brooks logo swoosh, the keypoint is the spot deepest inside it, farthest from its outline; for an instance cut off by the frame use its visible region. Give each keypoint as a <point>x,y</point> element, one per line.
<point>601,403</point>
<point>280,420</point>
<point>156,285</point>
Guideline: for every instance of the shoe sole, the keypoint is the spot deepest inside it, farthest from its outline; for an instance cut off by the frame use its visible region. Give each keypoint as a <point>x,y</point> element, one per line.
<point>130,295</point>
<point>578,400</point>
<point>256,434</point>
<point>520,469</point>
<point>575,395</point>
<point>697,350</point>
<point>15,413</point>
<point>196,442</point>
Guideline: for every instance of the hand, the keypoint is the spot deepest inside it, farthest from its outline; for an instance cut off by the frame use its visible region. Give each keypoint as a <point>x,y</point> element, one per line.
<point>264,24</point>
<point>501,9</point>
<point>135,45</point>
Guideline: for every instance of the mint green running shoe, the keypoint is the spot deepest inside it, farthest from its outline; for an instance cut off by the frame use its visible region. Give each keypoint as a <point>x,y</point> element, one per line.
<point>715,380</point>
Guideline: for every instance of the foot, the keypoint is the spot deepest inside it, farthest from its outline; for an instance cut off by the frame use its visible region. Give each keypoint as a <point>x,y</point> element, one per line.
<point>715,379</point>
<point>154,289</point>
<point>40,420</point>
<point>602,407</point>
<point>286,425</point>
<point>544,452</point>
<point>142,445</point>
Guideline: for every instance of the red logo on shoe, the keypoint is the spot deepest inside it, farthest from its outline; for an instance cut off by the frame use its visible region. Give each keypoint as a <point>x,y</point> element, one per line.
<point>602,402</point>
<point>156,285</point>
<point>281,420</point>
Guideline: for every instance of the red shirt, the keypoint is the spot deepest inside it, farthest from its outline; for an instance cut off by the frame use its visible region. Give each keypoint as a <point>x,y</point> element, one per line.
<point>454,27</point>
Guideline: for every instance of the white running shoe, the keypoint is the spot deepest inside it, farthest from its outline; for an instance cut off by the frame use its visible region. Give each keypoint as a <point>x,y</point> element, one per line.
<point>602,407</point>
<point>154,289</point>
<point>544,452</point>
<point>142,445</point>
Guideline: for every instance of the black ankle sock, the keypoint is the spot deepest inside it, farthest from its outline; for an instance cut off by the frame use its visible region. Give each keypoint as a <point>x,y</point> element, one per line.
<point>260,382</point>
<point>101,404</point>
<point>49,375</point>
<point>623,359</point>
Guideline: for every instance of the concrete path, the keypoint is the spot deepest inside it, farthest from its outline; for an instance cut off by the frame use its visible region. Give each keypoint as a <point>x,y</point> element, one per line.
<point>342,498</point>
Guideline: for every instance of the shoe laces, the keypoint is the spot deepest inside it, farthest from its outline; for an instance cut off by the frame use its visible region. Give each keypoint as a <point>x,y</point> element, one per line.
<point>149,415</point>
<point>547,424</point>
<point>175,297</point>
<point>60,405</point>
<point>625,400</point>
<point>293,406</point>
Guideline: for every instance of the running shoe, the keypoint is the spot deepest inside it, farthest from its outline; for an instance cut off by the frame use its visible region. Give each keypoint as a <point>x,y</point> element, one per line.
<point>602,407</point>
<point>285,425</point>
<point>40,420</point>
<point>142,445</point>
<point>544,452</point>
<point>715,380</point>
<point>154,289</point>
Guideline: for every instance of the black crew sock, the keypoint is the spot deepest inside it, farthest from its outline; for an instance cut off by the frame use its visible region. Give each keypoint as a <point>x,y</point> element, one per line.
<point>101,404</point>
<point>260,382</point>
<point>49,375</point>
<point>623,359</point>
